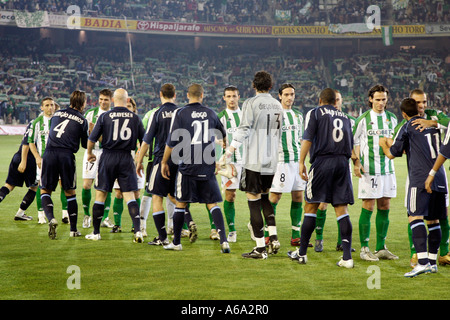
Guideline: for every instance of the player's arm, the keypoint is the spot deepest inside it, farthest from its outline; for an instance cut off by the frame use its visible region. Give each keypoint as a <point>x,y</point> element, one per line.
<point>23,160</point>
<point>165,172</point>
<point>385,144</point>
<point>140,158</point>
<point>304,150</point>
<point>357,167</point>
<point>90,156</point>
<point>437,165</point>
<point>422,124</point>
<point>37,156</point>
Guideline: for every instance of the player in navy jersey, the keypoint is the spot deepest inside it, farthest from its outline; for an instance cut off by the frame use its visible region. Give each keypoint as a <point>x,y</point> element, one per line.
<point>328,139</point>
<point>68,128</point>
<point>158,186</point>
<point>191,145</point>
<point>22,169</point>
<point>422,149</point>
<point>120,129</point>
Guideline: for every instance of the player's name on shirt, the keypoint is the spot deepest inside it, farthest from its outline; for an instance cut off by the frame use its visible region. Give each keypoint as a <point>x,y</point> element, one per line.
<point>333,113</point>
<point>74,117</point>
<point>113,115</point>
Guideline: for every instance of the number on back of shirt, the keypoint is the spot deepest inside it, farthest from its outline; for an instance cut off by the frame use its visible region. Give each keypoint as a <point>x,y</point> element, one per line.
<point>60,128</point>
<point>124,132</point>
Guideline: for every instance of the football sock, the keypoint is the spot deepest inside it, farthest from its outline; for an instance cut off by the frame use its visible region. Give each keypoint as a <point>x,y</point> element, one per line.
<point>27,199</point>
<point>419,236</point>
<point>217,216</point>
<point>364,227</point>
<point>382,224</point>
<point>107,206</point>
<point>187,215</point>
<point>267,209</point>
<point>86,200</point>
<point>308,226</point>
<point>445,230</point>
<point>133,210</point>
<point>296,218</point>
<point>160,223</point>
<point>146,205</point>
<point>97,215</point>
<point>339,239</point>
<point>72,210</point>
<point>47,204</point>
<point>434,240</point>
<point>320,223</point>
<point>178,221</point>
<point>117,211</point>
<point>4,191</point>
<point>230,213</point>
<point>211,221</point>
<point>38,200</point>
<point>63,198</point>
<point>411,243</point>
<point>346,235</point>
<point>256,219</point>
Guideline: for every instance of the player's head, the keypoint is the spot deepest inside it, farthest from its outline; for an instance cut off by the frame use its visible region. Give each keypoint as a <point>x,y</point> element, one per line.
<point>231,97</point>
<point>338,100</point>
<point>120,98</point>
<point>378,97</point>
<point>105,98</point>
<point>262,82</point>
<point>57,106</point>
<point>48,106</point>
<point>409,107</point>
<point>168,91</point>
<point>195,93</point>
<point>131,105</point>
<point>421,98</point>
<point>286,94</point>
<point>327,97</point>
<point>78,100</point>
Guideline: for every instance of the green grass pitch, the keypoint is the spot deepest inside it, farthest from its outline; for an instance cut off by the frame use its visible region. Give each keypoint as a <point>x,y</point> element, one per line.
<point>33,267</point>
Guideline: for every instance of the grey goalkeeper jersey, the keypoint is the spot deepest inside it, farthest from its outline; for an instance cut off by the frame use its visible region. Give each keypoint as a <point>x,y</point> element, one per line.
<point>259,132</point>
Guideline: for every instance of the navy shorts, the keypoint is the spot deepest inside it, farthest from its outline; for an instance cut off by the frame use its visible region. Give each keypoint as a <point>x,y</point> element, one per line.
<point>255,182</point>
<point>432,206</point>
<point>116,165</point>
<point>56,165</point>
<point>160,186</point>
<point>189,189</point>
<point>330,181</point>
<point>17,179</point>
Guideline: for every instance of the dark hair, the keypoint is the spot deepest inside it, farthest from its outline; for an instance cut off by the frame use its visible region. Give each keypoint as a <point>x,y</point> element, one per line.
<point>262,81</point>
<point>230,88</point>
<point>409,106</point>
<point>168,90</point>
<point>106,92</point>
<point>284,86</point>
<point>328,96</point>
<point>195,90</point>
<point>376,88</point>
<point>77,100</point>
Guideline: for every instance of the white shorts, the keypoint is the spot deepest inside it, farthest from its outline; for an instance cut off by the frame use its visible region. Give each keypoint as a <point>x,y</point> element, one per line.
<point>378,186</point>
<point>287,178</point>
<point>140,180</point>
<point>90,168</point>
<point>232,184</point>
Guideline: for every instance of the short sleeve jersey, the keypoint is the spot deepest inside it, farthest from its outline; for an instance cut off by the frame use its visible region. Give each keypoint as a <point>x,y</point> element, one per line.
<point>91,116</point>
<point>230,120</point>
<point>68,128</point>
<point>39,133</point>
<point>192,136</point>
<point>291,134</point>
<point>330,132</point>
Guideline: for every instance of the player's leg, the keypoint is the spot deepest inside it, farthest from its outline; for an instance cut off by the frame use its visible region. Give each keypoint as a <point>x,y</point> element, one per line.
<point>97,214</point>
<point>86,197</point>
<point>72,210</point>
<point>382,226</point>
<point>346,235</point>
<point>364,229</point>
<point>5,190</point>
<point>117,210</point>
<point>296,216</point>
<point>217,216</point>
<point>26,202</point>
<point>321,217</point>
<point>159,217</point>
<point>133,210</point>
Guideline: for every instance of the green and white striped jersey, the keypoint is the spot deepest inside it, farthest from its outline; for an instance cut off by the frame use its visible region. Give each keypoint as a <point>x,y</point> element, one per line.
<point>230,120</point>
<point>91,116</point>
<point>430,114</point>
<point>369,127</point>
<point>291,135</point>
<point>39,133</point>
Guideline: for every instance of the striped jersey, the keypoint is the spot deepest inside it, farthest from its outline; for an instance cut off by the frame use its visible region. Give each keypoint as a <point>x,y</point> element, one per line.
<point>39,133</point>
<point>291,134</point>
<point>91,116</point>
<point>230,120</point>
<point>369,127</point>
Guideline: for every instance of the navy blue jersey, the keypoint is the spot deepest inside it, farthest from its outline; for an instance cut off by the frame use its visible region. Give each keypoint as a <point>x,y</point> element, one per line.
<point>422,149</point>
<point>192,136</point>
<point>159,128</point>
<point>119,128</point>
<point>68,128</point>
<point>25,140</point>
<point>445,147</point>
<point>330,132</point>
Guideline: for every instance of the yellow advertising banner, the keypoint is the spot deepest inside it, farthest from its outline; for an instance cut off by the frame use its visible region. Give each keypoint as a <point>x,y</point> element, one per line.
<point>103,23</point>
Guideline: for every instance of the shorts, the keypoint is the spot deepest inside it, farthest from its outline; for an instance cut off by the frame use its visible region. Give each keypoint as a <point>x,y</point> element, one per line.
<point>16,178</point>
<point>287,178</point>
<point>232,184</point>
<point>189,189</point>
<point>255,182</point>
<point>140,182</point>
<point>116,165</point>
<point>378,186</point>
<point>330,181</point>
<point>58,165</point>
<point>432,206</point>
<point>160,186</point>
<point>90,168</point>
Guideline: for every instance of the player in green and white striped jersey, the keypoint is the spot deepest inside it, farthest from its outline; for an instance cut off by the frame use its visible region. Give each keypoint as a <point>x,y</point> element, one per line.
<point>230,118</point>
<point>287,177</point>
<point>432,118</point>
<point>377,181</point>
<point>90,168</point>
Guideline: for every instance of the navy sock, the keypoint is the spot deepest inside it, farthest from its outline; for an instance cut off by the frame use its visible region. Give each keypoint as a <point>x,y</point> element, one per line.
<point>133,210</point>
<point>434,241</point>
<point>256,219</point>
<point>72,210</point>
<point>4,191</point>
<point>47,204</point>
<point>187,216</point>
<point>27,199</point>
<point>419,237</point>
<point>160,223</point>
<point>308,226</point>
<point>346,229</point>
<point>98,210</point>
<point>217,217</point>
<point>178,220</point>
